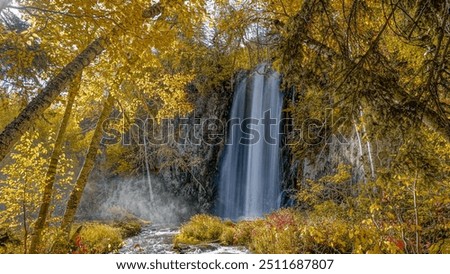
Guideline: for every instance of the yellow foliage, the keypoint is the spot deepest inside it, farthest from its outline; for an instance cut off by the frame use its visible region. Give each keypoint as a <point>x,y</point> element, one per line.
<point>278,234</point>
<point>441,247</point>
<point>200,229</point>
<point>287,231</point>
<point>21,192</point>
<point>244,231</point>
<point>227,236</point>
<point>97,238</point>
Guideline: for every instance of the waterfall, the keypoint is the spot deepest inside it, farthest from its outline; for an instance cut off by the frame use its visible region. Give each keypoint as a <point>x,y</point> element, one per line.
<point>147,171</point>
<point>249,176</point>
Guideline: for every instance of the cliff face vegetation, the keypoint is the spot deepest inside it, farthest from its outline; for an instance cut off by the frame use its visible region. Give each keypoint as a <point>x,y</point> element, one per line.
<point>93,93</point>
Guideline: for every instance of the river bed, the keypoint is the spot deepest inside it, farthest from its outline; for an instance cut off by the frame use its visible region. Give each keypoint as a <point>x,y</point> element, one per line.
<point>158,239</point>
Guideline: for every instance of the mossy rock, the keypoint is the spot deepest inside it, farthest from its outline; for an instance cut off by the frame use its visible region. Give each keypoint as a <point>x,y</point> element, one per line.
<point>128,228</point>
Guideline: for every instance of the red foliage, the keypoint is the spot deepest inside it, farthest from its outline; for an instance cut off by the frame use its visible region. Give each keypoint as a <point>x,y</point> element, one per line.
<point>398,242</point>
<point>281,219</point>
<point>80,247</point>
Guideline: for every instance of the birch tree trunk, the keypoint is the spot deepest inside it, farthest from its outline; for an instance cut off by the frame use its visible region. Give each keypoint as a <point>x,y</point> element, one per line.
<point>50,176</point>
<point>12,133</point>
<point>75,196</point>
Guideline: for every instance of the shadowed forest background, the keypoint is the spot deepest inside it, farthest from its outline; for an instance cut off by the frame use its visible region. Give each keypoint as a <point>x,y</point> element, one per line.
<point>365,153</point>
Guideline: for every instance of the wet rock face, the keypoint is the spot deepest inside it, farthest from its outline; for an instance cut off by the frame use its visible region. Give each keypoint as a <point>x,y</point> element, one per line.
<point>196,149</point>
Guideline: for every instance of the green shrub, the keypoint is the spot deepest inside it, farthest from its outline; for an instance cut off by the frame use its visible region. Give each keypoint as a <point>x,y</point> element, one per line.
<point>97,238</point>
<point>325,235</point>
<point>243,231</point>
<point>441,247</point>
<point>227,236</point>
<point>201,228</point>
<point>129,228</point>
<point>278,233</point>
<point>10,243</point>
<point>11,248</point>
<point>287,231</point>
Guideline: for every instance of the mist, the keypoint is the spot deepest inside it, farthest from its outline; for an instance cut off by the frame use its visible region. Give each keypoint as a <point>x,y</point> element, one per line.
<point>122,198</point>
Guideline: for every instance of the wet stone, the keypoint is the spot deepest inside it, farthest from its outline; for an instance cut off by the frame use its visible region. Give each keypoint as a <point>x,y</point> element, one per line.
<point>157,239</point>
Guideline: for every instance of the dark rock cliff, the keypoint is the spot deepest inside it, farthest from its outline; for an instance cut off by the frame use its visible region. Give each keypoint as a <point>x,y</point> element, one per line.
<point>197,146</point>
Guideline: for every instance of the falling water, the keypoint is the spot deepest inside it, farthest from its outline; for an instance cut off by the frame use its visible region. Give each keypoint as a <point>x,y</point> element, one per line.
<point>249,182</point>
<point>147,171</point>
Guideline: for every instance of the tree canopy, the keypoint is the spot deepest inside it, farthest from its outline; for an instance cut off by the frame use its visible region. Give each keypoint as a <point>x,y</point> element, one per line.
<point>379,68</point>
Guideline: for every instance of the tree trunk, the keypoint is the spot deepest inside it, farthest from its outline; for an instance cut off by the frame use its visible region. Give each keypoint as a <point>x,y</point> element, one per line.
<point>12,133</point>
<point>75,196</point>
<point>53,167</point>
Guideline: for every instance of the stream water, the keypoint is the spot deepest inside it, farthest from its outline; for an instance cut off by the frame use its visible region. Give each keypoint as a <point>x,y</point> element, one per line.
<point>158,239</point>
